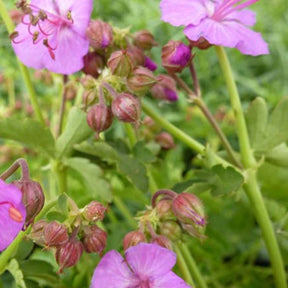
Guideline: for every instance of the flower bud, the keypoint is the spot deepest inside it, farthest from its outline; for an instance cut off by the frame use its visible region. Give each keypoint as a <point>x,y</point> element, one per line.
<point>133,238</point>
<point>194,231</point>
<point>165,88</point>
<point>68,254</point>
<point>126,108</point>
<point>89,97</point>
<point>149,64</point>
<point>165,140</point>
<point>37,232</point>
<point>32,198</point>
<point>164,209</point>
<point>88,82</point>
<point>171,230</point>
<point>121,63</point>
<point>189,210</point>
<point>93,64</point>
<point>137,55</point>
<point>94,211</point>
<point>162,241</point>
<point>99,118</point>
<point>94,239</point>
<point>144,40</point>
<point>55,234</point>
<point>175,56</point>
<point>141,80</point>
<point>70,91</point>
<point>99,34</point>
<point>201,43</point>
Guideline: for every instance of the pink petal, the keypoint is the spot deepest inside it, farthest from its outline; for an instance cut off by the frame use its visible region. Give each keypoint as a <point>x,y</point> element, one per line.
<point>150,260</point>
<point>46,5</point>
<point>246,17</point>
<point>170,279</point>
<point>112,272</point>
<point>183,12</point>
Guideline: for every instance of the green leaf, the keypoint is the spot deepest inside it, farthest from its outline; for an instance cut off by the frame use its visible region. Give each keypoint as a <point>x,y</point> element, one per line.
<point>278,155</point>
<point>134,170</point>
<point>277,128</point>
<point>99,149</point>
<point>57,216</point>
<point>92,177</point>
<point>14,269</point>
<point>63,203</point>
<point>142,153</point>
<point>29,132</point>
<point>76,131</point>
<point>257,116</point>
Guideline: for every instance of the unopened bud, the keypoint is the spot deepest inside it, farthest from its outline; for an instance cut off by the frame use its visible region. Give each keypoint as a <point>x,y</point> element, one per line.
<point>32,198</point>
<point>55,234</point>
<point>133,238</point>
<point>68,254</point>
<point>94,239</point>
<point>144,39</point>
<point>162,241</point>
<point>189,210</point>
<point>141,80</point>
<point>121,63</point>
<point>164,209</point>
<point>93,64</point>
<point>70,91</point>
<point>149,64</point>
<point>137,55</point>
<point>201,43</point>
<point>175,56</point>
<point>126,108</point>
<point>165,140</point>
<point>165,88</point>
<point>89,97</point>
<point>99,34</point>
<point>171,230</point>
<point>99,118</point>
<point>37,232</point>
<point>94,211</point>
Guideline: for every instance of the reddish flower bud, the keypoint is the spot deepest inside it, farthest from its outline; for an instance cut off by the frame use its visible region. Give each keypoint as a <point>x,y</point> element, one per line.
<point>201,43</point>
<point>70,91</point>
<point>164,209</point>
<point>99,118</point>
<point>171,229</point>
<point>88,82</point>
<point>165,140</point>
<point>165,88</point>
<point>149,64</point>
<point>94,239</point>
<point>189,210</point>
<point>194,230</point>
<point>37,232</point>
<point>162,241</point>
<point>99,34</point>
<point>89,97</point>
<point>133,238</point>
<point>144,40</point>
<point>121,63</point>
<point>68,254</point>
<point>137,55</point>
<point>93,64</point>
<point>126,108</point>
<point>141,80</point>
<point>94,211</point>
<point>32,198</point>
<point>55,234</point>
<point>175,56</point>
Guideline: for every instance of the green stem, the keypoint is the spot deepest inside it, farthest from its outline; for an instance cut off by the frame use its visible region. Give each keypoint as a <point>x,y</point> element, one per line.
<point>130,134</point>
<point>176,132</point>
<point>251,186</point>
<point>11,92</point>
<point>183,266</point>
<point>125,211</point>
<point>24,71</point>
<point>196,274</point>
<point>61,174</point>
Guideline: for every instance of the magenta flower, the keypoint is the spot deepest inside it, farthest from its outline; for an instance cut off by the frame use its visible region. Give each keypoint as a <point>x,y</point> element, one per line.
<point>12,213</point>
<point>146,266</point>
<point>220,22</point>
<point>52,34</point>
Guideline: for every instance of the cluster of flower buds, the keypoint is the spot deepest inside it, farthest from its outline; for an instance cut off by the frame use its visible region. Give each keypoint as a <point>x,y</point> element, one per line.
<point>70,240</point>
<point>171,217</point>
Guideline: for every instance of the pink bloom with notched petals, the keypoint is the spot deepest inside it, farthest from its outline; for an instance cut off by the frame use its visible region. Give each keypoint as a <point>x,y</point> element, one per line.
<point>52,34</point>
<point>12,213</point>
<point>146,266</point>
<point>220,22</point>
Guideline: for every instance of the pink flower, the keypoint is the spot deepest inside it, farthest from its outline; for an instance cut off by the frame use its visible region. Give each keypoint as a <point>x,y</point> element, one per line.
<point>146,266</point>
<point>12,213</point>
<point>220,22</point>
<point>52,34</point>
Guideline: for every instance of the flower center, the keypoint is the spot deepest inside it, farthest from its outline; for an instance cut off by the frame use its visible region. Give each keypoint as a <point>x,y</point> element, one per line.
<point>14,213</point>
<point>42,25</point>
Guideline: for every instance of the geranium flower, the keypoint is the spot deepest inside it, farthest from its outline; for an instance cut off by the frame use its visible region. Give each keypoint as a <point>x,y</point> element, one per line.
<point>146,266</point>
<point>12,213</point>
<point>220,22</point>
<point>52,34</point>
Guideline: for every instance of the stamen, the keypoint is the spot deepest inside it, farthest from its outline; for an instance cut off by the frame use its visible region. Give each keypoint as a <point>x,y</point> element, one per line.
<point>42,15</point>
<point>50,49</point>
<point>35,36</point>
<point>34,19</point>
<point>69,16</point>
<point>15,214</point>
<point>13,35</point>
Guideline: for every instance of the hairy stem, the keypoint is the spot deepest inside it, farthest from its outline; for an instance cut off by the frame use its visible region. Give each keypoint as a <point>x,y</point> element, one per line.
<point>251,186</point>
<point>18,163</point>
